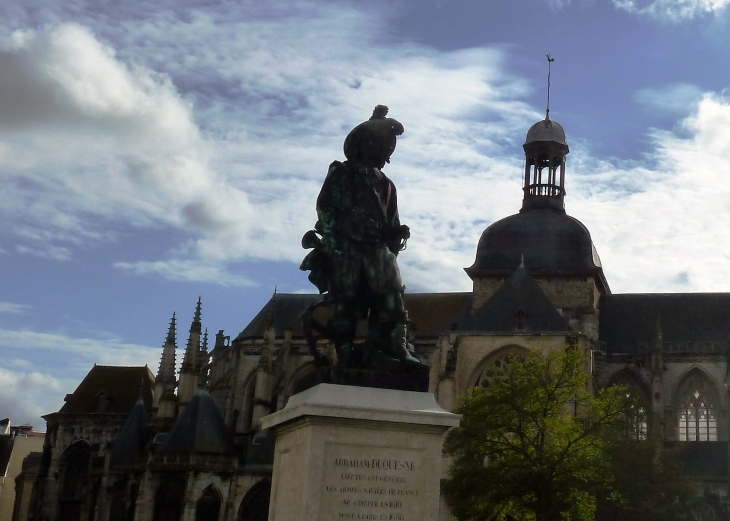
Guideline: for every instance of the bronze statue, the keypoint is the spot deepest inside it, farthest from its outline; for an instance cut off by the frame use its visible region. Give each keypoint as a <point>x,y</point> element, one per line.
<point>356,241</point>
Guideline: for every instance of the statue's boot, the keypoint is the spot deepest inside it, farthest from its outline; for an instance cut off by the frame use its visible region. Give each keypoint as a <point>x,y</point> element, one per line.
<point>399,343</point>
<point>344,356</point>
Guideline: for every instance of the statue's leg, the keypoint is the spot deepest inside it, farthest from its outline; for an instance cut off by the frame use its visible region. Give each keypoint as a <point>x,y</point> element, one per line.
<point>394,322</point>
<point>343,325</point>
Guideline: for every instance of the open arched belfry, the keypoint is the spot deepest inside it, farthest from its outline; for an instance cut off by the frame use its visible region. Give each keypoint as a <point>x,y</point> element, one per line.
<point>187,445</point>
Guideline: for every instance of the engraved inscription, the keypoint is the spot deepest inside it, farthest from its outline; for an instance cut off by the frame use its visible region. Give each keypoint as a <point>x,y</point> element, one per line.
<point>371,483</point>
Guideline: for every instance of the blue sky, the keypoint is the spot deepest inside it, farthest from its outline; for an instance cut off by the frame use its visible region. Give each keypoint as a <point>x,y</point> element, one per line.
<point>155,151</point>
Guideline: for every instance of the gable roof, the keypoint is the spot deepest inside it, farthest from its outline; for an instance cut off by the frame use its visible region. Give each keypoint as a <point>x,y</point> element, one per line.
<point>200,428</point>
<point>519,292</point>
<point>627,322</point>
<point>110,390</point>
<point>431,313</point>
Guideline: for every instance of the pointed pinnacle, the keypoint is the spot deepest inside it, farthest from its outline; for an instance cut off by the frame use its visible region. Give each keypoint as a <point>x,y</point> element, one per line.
<point>171,333</point>
<point>205,341</point>
<point>197,311</point>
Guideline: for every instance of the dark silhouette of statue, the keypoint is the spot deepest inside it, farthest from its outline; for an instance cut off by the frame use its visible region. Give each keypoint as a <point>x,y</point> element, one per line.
<point>355,243</point>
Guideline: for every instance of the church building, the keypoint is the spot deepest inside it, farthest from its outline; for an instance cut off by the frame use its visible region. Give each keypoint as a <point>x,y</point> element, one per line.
<point>131,446</point>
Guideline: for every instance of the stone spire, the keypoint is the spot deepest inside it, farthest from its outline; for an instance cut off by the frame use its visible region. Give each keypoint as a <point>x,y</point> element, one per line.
<point>165,401</point>
<point>190,359</point>
<point>190,370</point>
<point>166,372</point>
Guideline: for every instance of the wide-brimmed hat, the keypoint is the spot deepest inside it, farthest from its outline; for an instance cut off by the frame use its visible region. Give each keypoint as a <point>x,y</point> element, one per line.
<point>374,138</point>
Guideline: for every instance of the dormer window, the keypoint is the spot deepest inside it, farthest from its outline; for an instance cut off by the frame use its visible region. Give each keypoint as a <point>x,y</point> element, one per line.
<point>520,321</point>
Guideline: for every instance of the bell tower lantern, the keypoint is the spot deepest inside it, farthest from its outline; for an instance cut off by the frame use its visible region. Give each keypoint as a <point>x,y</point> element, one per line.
<point>545,150</point>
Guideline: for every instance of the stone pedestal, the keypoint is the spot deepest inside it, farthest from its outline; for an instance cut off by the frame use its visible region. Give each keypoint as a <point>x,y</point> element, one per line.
<point>354,453</point>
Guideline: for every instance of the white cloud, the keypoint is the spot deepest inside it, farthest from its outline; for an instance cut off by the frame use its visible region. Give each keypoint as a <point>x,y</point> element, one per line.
<point>59,362</point>
<point>187,270</point>
<point>671,235</point>
<point>677,100</point>
<point>95,143</point>
<point>226,131</point>
<point>10,307</point>
<point>84,352</point>
<point>672,10</point>
<point>85,136</point>
<point>28,395</point>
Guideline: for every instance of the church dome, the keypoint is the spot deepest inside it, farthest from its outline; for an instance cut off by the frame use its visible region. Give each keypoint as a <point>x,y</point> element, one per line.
<point>548,131</point>
<point>550,241</point>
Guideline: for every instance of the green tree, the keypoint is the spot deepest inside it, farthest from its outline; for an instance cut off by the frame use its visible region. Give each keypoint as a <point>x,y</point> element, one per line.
<point>647,483</point>
<point>530,443</point>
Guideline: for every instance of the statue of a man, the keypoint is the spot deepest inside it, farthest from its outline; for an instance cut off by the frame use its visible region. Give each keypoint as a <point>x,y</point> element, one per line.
<point>361,235</point>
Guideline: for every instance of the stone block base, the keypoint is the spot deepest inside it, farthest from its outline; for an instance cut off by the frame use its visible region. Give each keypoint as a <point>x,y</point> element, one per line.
<point>352,453</point>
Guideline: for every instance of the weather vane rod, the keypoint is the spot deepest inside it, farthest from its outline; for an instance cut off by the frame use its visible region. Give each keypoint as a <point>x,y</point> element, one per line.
<point>547,112</point>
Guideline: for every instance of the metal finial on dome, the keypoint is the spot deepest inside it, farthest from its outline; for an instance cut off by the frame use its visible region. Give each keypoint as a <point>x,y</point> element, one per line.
<point>547,111</point>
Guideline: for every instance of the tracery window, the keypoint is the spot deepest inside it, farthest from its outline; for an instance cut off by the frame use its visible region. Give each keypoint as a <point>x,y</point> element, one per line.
<point>496,369</point>
<point>697,420</point>
<point>637,417</point>
<point>636,425</point>
<point>208,506</point>
<point>697,406</point>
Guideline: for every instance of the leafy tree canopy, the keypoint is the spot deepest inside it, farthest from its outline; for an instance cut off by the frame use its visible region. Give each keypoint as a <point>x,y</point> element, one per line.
<point>530,444</point>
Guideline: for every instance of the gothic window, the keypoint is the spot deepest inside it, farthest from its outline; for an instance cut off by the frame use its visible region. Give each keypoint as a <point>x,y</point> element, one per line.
<point>697,406</point>
<point>169,499</point>
<point>208,506</point>
<point>75,481</point>
<point>495,369</point>
<point>123,500</point>
<point>637,424</point>
<point>255,504</point>
<point>118,508</point>
<point>637,418</point>
<point>697,420</point>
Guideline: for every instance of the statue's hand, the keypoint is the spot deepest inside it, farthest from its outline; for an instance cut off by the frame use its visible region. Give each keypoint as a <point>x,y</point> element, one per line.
<point>397,237</point>
<point>405,232</point>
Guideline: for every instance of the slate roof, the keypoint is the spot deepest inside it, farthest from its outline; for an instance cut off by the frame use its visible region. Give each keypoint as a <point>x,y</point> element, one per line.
<point>200,428</point>
<point>519,292</point>
<point>551,241</point>
<point>431,313</point>
<point>131,437</point>
<point>628,320</point>
<point>120,387</point>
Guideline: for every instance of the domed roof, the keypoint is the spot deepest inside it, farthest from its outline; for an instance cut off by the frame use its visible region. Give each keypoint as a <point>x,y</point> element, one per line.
<point>546,130</point>
<point>550,240</point>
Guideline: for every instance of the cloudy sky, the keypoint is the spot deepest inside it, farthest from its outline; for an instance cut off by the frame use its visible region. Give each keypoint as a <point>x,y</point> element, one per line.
<point>155,151</point>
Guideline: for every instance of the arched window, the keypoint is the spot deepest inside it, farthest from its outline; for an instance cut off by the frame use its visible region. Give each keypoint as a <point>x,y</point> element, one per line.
<point>637,424</point>
<point>208,506</point>
<point>496,367</point>
<point>255,504</point>
<point>75,481</point>
<point>697,406</point>
<point>118,507</point>
<point>637,417</point>
<point>123,500</point>
<point>169,498</point>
